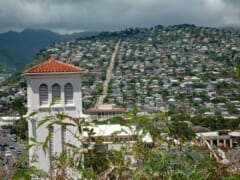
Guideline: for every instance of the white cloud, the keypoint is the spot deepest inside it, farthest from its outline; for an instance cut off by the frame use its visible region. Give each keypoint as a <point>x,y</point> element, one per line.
<point>115,14</point>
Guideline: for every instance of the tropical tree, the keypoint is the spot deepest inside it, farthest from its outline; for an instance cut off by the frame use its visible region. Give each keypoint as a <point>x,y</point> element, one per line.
<point>161,159</point>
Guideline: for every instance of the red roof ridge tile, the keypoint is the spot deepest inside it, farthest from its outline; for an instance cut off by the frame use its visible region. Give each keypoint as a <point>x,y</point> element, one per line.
<point>51,66</point>
<point>52,58</point>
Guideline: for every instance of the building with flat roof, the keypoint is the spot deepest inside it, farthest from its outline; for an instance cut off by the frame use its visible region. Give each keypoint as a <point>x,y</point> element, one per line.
<point>113,136</point>
<point>8,120</point>
<point>104,112</point>
<point>224,138</point>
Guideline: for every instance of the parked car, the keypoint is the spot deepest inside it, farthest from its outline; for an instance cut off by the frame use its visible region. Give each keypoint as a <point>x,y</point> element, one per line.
<point>8,154</point>
<point>3,148</point>
<point>19,152</point>
<point>11,147</point>
<point>14,139</point>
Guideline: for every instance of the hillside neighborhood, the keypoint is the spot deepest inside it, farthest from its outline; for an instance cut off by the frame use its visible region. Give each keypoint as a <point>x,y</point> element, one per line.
<point>184,77</point>
<point>162,69</point>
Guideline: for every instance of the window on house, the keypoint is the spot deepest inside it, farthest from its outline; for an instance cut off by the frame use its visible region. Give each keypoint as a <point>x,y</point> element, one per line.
<point>43,94</point>
<point>68,93</point>
<point>56,93</point>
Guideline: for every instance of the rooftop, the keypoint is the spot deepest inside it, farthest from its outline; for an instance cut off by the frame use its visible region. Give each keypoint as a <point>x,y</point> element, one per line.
<point>93,110</point>
<point>116,129</point>
<point>51,66</point>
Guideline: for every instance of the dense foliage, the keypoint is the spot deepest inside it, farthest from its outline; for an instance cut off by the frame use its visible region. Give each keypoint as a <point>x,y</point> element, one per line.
<point>165,159</point>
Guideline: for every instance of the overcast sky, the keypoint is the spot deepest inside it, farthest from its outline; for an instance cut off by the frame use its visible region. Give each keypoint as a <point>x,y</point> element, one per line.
<point>77,15</point>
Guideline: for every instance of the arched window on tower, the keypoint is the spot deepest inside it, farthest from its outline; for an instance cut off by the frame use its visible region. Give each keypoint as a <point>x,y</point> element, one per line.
<point>68,93</point>
<point>43,94</point>
<point>56,93</point>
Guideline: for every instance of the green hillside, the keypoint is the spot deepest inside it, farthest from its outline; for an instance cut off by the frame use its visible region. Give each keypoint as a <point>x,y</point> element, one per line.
<point>18,48</point>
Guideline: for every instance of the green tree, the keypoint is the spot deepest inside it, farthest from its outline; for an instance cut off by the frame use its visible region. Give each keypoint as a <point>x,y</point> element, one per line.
<point>152,160</point>
<point>18,105</point>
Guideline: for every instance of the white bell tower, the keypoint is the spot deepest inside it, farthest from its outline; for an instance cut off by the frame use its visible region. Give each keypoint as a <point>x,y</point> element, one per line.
<point>52,81</point>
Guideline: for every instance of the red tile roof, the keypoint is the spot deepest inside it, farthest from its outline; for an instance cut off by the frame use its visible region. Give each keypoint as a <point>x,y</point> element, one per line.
<point>51,66</point>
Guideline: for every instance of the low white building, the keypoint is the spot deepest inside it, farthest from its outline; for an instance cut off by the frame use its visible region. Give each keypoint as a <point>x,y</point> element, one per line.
<point>105,111</point>
<point>8,120</point>
<point>113,136</point>
<point>223,137</point>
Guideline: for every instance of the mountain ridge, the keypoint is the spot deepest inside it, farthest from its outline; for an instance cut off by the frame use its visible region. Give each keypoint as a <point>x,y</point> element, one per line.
<point>18,48</point>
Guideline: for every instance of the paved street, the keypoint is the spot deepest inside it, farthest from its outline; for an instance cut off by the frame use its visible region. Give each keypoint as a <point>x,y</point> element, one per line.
<point>109,76</point>
<point>11,153</point>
